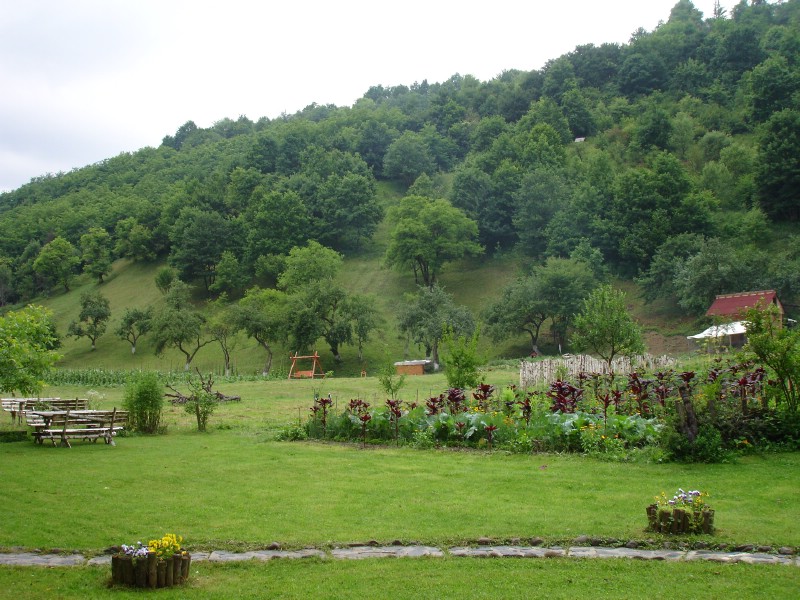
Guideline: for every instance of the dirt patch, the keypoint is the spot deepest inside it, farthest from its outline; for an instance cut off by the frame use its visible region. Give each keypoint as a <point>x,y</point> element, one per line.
<point>671,345</point>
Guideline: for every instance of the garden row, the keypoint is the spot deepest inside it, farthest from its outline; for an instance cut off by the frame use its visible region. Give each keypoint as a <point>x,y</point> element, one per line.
<point>667,416</point>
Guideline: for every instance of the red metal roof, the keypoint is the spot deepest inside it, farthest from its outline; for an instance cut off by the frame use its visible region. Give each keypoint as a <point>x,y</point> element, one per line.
<point>735,304</point>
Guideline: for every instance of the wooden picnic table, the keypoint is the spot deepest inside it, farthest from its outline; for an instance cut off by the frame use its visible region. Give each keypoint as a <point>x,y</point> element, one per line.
<point>18,406</point>
<point>61,425</point>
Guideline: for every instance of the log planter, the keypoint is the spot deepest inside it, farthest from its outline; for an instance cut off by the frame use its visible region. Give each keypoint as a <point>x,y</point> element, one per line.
<point>679,521</point>
<point>150,571</point>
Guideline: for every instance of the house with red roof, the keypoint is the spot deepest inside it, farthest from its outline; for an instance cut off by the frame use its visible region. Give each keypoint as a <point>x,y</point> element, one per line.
<point>728,311</point>
<point>732,307</point>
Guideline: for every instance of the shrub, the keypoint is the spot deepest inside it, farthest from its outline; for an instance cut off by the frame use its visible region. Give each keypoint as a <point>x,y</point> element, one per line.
<point>461,360</point>
<point>201,402</point>
<point>706,448</point>
<point>144,401</point>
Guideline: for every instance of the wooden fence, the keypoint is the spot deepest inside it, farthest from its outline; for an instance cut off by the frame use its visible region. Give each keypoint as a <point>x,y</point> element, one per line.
<point>569,366</point>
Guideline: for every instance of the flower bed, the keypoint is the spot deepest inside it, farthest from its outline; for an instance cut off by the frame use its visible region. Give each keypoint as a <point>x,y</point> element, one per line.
<point>160,564</point>
<point>685,512</point>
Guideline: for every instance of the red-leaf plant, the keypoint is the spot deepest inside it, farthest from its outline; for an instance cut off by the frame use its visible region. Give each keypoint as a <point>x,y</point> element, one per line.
<point>361,409</point>
<point>564,397</point>
<point>395,412</point>
<point>456,401</point>
<point>490,429</point>
<point>526,408</point>
<point>321,406</point>
<point>482,394</point>
<point>639,392</point>
<point>434,405</point>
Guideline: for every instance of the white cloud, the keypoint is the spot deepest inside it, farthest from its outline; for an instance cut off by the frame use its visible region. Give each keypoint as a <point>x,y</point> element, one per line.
<point>87,79</point>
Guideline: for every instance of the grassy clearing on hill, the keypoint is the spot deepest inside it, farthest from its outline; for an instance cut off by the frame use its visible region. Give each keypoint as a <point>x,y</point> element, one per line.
<point>132,285</point>
<point>475,283</point>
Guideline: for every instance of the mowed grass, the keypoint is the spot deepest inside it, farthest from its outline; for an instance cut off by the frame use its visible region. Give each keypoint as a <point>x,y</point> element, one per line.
<point>429,578</point>
<point>237,486</point>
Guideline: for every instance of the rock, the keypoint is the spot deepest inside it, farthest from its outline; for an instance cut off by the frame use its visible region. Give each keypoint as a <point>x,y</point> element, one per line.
<point>274,546</point>
<point>581,539</point>
<point>700,545</point>
<point>484,541</point>
<point>596,542</point>
<point>112,550</point>
<point>536,541</point>
<point>397,543</point>
<point>765,548</point>
<point>633,544</point>
<point>514,541</point>
<point>743,548</point>
<point>373,543</point>
<point>786,551</point>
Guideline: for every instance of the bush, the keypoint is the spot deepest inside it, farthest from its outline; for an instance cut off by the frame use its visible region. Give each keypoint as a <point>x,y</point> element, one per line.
<point>291,433</point>
<point>461,360</point>
<point>706,448</point>
<point>144,401</point>
<point>201,403</point>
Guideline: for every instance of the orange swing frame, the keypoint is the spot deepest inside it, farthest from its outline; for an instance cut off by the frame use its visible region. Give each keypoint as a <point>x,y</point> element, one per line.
<point>313,373</point>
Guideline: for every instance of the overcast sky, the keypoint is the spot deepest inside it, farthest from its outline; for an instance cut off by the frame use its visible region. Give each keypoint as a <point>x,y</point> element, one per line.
<point>83,80</point>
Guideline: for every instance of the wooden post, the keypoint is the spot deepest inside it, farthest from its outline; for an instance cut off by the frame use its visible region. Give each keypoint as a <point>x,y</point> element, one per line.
<point>152,570</point>
<point>652,517</point>
<point>127,570</point>
<point>161,568</point>
<point>116,569</point>
<point>177,568</point>
<point>677,521</point>
<point>186,563</point>
<point>708,521</point>
<point>140,572</point>
<point>664,518</point>
<point>170,573</point>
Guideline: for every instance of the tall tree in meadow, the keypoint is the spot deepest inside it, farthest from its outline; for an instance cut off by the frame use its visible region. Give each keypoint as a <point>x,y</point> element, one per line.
<point>179,325</point>
<point>605,327</point>
<point>135,323</point>
<point>427,235</point>
<point>93,318</point>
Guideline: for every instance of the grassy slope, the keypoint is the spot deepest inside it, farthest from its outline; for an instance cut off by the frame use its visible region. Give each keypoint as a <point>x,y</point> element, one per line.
<point>474,283</point>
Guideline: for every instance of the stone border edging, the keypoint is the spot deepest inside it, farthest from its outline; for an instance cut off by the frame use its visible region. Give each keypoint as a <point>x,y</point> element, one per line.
<point>363,552</point>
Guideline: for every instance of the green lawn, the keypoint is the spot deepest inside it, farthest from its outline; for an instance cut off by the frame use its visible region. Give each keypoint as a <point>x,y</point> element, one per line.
<point>429,578</point>
<point>237,483</point>
<point>237,488</point>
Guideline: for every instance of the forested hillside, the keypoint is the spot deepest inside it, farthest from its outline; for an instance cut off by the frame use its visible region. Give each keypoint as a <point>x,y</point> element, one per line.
<point>672,161</point>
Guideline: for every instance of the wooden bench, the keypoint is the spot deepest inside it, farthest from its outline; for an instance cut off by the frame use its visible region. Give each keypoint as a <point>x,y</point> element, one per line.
<point>89,425</point>
<point>67,403</point>
<point>18,406</point>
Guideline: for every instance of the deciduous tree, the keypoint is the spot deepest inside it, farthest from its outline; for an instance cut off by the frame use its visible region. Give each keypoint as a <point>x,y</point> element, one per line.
<point>263,314</point>
<point>57,261</point>
<point>93,318</point>
<point>26,350</point>
<point>96,253</point>
<point>605,327</point>
<point>425,315</point>
<point>428,234</point>
<point>135,323</point>
<point>179,325</point>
